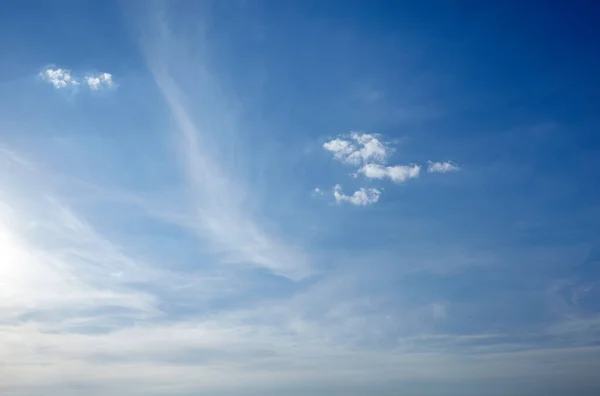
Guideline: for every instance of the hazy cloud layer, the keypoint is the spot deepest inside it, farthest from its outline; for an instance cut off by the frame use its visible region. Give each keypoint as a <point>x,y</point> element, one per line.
<point>205,230</point>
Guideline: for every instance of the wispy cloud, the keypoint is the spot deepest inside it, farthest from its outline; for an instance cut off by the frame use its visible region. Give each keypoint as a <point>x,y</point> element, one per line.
<point>361,197</point>
<point>441,167</point>
<point>279,343</point>
<point>57,271</point>
<point>10,156</point>
<point>219,212</point>
<point>59,78</point>
<point>123,273</point>
<point>54,264</point>
<point>78,309</point>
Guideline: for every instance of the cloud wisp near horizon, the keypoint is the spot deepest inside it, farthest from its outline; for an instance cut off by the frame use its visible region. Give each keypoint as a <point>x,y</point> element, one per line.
<point>238,198</point>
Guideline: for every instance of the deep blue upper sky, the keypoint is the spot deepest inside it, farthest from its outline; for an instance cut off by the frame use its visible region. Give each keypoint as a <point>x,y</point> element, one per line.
<point>309,197</point>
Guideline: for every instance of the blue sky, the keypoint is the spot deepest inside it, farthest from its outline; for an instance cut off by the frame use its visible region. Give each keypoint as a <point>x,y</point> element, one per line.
<point>299,197</point>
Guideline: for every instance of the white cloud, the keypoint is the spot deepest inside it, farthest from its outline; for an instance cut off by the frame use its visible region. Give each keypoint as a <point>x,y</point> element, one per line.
<point>441,167</point>
<point>397,173</point>
<point>60,78</point>
<point>63,78</point>
<point>184,358</point>
<point>99,81</point>
<point>341,149</point>
<point>317,191</point>
<point>361,197</point>
<point>70,309</point>
<point>368,153</point>
<point>80,314</point>
<point>361,148</point>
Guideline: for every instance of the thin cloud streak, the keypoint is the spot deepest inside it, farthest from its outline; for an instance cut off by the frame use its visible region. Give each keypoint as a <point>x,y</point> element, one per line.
<point>56,266</point>
<point>205,355</point>
<point>79,320</point>
<point>59,266</point>
<point>218,207</point>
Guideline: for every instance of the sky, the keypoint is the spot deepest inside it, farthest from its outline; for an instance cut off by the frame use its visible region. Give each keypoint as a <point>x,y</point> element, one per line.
<point>299,197</point>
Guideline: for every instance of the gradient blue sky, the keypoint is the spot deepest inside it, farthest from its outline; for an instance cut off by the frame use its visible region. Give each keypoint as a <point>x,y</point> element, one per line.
<point>299,197</point>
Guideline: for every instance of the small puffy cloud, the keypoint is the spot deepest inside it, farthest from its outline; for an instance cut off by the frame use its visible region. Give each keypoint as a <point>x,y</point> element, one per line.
<point>359,148</point>
<point>397,173</point>
<point>60,78</point>
<point>441,167</point>
<point>369,156</point>
<point>99,81</point>
<point>361,197</point>
<point>317,191</point>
